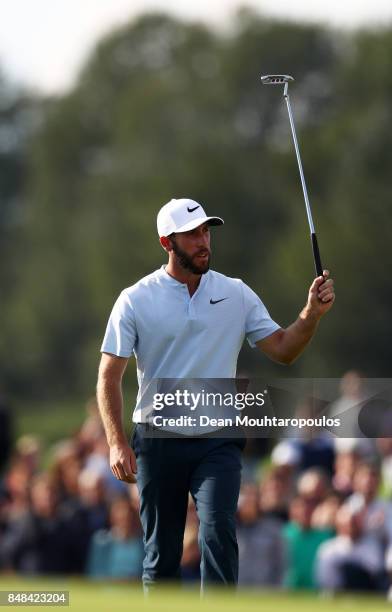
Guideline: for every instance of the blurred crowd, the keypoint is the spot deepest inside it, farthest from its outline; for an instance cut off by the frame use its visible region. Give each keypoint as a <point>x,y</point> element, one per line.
<point>315,512</point>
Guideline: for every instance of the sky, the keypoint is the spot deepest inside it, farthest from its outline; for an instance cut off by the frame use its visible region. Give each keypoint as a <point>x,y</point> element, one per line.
<point>43,43</point>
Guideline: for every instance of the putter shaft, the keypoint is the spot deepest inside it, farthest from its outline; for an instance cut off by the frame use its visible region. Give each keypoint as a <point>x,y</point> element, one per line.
<point>301,172</point>
<point>284,79</point>
<point>316,251</point>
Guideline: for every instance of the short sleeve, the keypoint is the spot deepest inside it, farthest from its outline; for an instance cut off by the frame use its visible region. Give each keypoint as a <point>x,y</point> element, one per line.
<point>121,335</point>
<point>258,323</point>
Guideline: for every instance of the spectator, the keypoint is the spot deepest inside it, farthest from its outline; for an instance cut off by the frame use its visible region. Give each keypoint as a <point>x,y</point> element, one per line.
<point>324,515</point>
<point>16,485</point>
<point>260,542</point>
<point>23,466</point>
<point>41,541</point>
<point>275,493</point>
<point>287,457</point>
<point>377,512</point>
<point>302,542</point>
<point>93,501</point>
<point>348,457</point>
<point>5,434</point>
<point>60,522</point>
<point>314,486</point>
<point>313,445</point>
<point>4,501</point>
<point>65,470</point>
<point>91,429</point>
<point>352,560</point>
<point>87,513</point>
<point>384,446</point>
<point>117,553</point>
<point>133,495</point>
<point>353,395</point>
<point>3,520</point>
<point>28,451</point>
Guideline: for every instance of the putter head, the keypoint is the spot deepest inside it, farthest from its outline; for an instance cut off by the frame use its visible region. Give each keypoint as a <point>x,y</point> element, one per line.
<point>276,79</point>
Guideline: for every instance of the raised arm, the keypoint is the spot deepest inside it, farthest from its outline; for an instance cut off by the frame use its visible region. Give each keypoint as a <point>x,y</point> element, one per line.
<point>285,345</point>
<point>110,402</point>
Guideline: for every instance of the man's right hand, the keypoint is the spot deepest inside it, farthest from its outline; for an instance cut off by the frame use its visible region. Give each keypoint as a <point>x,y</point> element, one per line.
<point>123,462</point>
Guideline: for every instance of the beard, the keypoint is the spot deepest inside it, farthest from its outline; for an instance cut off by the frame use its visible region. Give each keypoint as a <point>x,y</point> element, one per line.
<point>187,262</point>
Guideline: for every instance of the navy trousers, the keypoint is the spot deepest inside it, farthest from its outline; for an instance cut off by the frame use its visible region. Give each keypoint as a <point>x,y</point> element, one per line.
<point>170,468</point>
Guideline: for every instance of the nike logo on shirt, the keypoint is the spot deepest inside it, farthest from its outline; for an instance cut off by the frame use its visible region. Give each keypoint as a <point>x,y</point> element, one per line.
<point>192,209</point>
<point>217,301</point>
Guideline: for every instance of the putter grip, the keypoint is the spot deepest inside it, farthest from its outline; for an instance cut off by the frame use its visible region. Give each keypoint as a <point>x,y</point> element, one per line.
<point>316,255</point>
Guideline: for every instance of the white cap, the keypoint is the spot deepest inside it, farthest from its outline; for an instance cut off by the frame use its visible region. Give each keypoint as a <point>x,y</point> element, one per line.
<point>285,453</point>
<point>183,215</point>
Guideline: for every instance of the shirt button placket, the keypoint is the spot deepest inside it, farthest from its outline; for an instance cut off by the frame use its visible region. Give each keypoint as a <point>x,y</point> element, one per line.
<point>188,300</point>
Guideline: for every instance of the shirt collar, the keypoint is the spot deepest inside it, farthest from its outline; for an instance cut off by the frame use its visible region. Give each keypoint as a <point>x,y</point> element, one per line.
<point>175,283</point>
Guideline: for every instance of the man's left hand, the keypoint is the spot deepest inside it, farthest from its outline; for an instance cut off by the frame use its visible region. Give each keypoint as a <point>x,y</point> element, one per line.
<point>321,295</point>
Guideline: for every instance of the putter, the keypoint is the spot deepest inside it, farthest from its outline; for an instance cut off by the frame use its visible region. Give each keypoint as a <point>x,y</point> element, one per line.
<point>284,79</point>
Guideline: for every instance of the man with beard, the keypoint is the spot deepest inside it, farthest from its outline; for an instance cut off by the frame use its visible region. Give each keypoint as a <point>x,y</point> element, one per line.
<point>185,321</point>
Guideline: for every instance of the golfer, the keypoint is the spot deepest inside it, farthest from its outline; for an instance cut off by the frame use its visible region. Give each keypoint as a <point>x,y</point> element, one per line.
<point>187,321</point>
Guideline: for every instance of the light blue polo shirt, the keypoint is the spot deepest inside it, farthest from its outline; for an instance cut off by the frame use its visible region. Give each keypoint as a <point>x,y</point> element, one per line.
<point>173,335</point>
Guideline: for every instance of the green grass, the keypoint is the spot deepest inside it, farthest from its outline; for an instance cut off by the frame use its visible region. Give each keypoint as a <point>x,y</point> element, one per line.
<point>106,597</point>
<point>49,421</point>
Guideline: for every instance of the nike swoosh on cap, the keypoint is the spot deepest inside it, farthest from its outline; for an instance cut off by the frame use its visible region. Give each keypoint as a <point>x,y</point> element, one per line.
<point>217,301</point>
<point>192,209</point>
